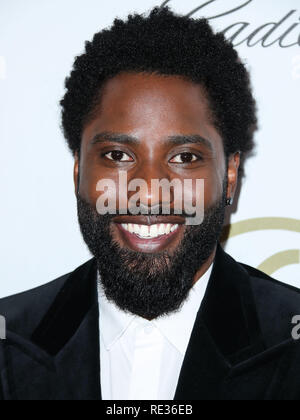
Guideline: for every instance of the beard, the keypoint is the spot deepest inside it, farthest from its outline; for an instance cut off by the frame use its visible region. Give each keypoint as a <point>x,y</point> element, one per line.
<point>149,285</point>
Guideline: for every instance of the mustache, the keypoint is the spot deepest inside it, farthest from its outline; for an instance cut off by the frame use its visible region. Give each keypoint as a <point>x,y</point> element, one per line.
<point>157,210</point>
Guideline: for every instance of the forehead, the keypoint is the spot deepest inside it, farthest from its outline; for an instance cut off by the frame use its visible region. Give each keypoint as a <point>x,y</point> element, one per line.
<point>151,94</point>
<point>145,105</point>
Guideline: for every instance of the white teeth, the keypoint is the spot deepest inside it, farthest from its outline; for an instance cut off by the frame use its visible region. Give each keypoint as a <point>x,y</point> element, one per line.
<point>136,229</point>
<point>153,231</point>
<point>161,229</point>
<point>150,232</point>
<point>144,231</point>
<point>174,227</point>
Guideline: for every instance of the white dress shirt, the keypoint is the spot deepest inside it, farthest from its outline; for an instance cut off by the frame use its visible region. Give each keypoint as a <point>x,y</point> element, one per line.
<point>141,359</point>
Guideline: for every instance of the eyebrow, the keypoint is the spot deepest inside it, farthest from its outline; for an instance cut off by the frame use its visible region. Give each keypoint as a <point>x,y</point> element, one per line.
<point>115,138</point>
<point>189,139</point>
<point>131,140</point>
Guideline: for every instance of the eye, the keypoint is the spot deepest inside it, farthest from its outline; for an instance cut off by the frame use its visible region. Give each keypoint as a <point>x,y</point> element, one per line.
<point>185,157</point>
<point>118,156</point>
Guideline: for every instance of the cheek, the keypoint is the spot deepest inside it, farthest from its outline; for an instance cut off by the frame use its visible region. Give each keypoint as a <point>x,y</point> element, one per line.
<point>91,176</point>
<point>214,181</point>
<point>207,187</point>
<point>213,190</point>
<point>105,187</point>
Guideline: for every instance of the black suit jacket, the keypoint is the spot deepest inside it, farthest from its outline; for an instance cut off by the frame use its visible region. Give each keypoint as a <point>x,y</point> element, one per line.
<point>240,349</point>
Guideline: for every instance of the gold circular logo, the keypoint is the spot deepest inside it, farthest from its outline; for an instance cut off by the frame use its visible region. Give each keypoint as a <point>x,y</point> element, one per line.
<point>276,261</point>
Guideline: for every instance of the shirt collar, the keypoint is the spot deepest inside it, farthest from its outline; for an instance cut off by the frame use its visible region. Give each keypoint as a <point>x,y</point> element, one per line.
<point>176,327</point>
<point>113,321</point>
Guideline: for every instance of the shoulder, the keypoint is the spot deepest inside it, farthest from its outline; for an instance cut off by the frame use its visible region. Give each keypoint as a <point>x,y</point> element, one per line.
<point>276,303</point>
<point>267,289</point>
<point>24,311</point>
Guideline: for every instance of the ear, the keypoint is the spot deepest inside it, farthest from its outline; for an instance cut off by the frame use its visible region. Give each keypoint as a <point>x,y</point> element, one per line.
<point>76,173</point>
<point>233,173</point>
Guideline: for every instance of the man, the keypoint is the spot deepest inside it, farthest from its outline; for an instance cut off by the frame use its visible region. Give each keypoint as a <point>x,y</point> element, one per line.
<point>161,311</point>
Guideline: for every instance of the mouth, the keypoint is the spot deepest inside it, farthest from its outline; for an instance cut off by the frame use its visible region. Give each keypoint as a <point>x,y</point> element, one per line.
<point>150,232</point>
<point>154,237</point>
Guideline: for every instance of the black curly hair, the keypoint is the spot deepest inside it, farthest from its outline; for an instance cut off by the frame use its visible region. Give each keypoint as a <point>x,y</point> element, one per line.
<point>165,43</point>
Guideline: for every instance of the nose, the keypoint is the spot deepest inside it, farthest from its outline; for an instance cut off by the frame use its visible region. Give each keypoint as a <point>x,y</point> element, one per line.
<point>152,196</point>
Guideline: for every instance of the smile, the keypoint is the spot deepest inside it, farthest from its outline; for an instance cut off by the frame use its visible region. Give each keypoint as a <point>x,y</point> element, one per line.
<point>151,237</point>
<point>150,232</point>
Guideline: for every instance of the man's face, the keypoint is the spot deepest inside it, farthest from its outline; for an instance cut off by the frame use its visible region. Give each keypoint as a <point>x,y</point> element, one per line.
<point>144,126</point>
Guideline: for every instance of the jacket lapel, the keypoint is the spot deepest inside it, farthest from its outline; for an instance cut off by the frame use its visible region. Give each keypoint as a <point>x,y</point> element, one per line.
<point>61,361</point>
<point>225,333</point>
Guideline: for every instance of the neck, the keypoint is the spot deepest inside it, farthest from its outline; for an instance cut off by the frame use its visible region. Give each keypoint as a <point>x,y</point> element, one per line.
<point>202,270</point>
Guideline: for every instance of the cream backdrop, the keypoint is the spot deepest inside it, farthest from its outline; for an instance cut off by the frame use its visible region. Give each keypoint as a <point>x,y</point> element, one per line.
<point>40,239</point>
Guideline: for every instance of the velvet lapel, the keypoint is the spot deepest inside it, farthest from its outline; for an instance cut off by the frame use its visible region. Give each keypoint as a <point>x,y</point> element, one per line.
<point>225,333</point>
<point>61,362</point>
